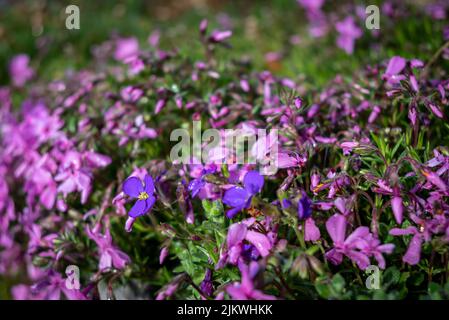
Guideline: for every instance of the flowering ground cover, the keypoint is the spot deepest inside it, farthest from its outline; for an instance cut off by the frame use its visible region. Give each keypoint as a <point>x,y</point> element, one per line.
<point>93,205</point>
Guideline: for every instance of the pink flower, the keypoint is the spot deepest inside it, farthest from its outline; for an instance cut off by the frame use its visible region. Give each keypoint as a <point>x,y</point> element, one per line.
<point>245,289</point>
<point>19,70</point>
<point>126,48</point>
<point>336,227</point>
<point>349,32</point>
<point>110,256</point>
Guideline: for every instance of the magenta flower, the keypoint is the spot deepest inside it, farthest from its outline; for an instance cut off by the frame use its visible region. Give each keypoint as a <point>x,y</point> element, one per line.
<point>110,256</point>
<point>19,70</point>
<point>238,238</point>
<point>394,68</point>
<point>245,289</point>
<point>349,32</point>
<point>371,246</point>
<point>126,49</point>
<point>424,231</point>
<point>240,198</point>
<point>134,188</point>
<point>413,254</point>
<point>336,227</point>
<point>219,36</point>
<point>311,231</point>
<point>398,209</point>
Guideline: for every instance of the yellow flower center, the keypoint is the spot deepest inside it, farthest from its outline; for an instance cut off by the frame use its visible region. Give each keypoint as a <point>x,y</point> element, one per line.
<point>143,196</point>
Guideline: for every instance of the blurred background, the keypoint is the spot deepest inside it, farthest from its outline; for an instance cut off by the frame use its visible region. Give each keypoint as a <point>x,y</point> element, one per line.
<point>275,34</point>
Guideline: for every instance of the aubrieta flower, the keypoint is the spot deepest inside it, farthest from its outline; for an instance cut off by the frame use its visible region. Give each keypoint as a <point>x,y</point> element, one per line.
<point>240,198</point>
<point>143,192</point>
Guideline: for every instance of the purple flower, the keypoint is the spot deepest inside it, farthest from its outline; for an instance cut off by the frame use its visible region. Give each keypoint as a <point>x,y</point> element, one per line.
<point>238,233</point>
<point>394,68</point>
<point>424,231</point>
<point>304,207</point>
<point>371,246</point>
<point>220,36</point>
<point>131,94</point>
<point>240,198</point>
<point>110,256</point>
<point>413,254</point>
<point>134,188</point>
<point>203,26</point>
<point>163,254</point>
<point>398,209</point>
<point>206,285</point>
<point>51,287</point>
<point>348,146</point>
<point>311,231</point>
<point>349,32</point>
<point>19,70</point>
<point>126,49</point>
<point>245,289</point>
<point>336,227</point>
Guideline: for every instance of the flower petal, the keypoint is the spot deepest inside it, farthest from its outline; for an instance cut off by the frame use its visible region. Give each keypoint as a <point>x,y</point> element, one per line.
<point>260,241</point>
<point>336,227</point>
<point>253,182</point>
<point>413,254</point>
<point>236,234</point>
<point>232,212</point>
<point>132,187</point>
<point>149,184</point>
<point>138,209</point>
<point>396,205</point>
<point>311,231</point>
<point>149,203</point>
<point>235,197</point>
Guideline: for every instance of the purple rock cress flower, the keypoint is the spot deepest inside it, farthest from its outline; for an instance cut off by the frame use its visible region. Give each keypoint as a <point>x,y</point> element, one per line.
<point>240,198</point>
<point>134,188</point>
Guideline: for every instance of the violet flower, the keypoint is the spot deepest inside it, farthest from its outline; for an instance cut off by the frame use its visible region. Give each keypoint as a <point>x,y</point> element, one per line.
<point>206,285</point>
<point>240,198</point>
<point>304,207</point>
<point>134,188</point>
